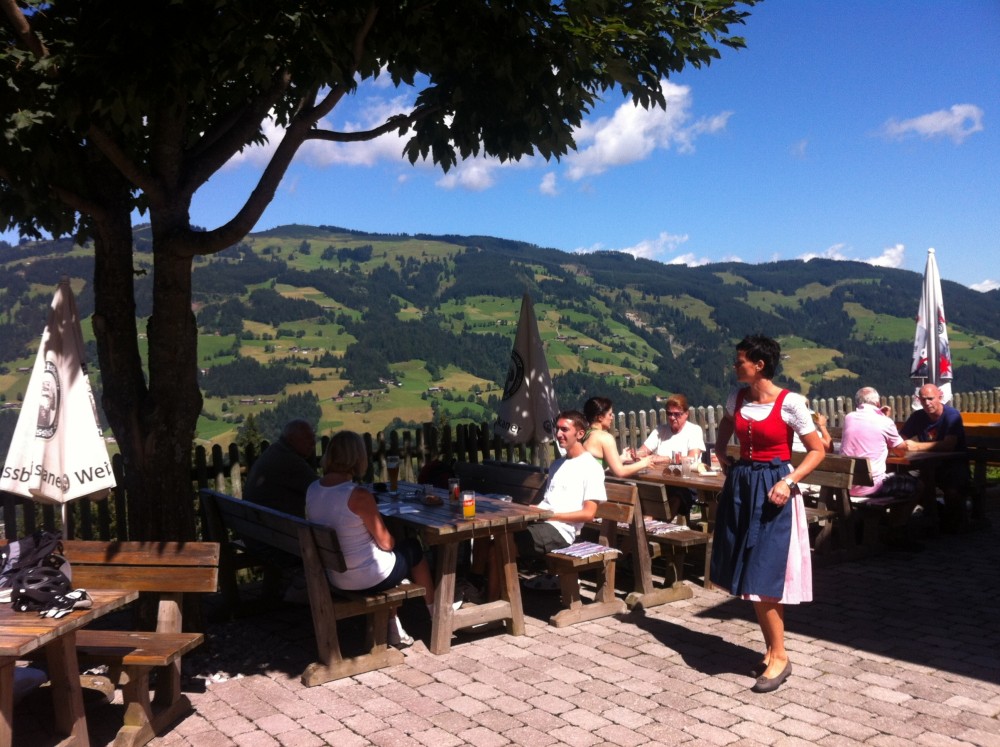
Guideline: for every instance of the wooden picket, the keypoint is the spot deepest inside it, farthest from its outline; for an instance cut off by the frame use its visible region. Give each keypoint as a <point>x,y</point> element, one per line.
<point>225,469</point>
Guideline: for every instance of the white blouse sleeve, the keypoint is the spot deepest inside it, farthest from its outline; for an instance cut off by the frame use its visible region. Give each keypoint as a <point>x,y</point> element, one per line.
<point>731,402</point>
<point>795,413</point>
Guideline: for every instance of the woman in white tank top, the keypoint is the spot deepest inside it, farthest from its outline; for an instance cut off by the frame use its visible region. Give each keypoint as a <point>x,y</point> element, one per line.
<point>374,560</point>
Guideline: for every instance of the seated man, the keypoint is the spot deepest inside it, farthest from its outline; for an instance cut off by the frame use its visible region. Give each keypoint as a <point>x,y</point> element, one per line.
<point>575,487</point>
<point>284,470</point>
<point>870,434</point>
<point>675,436</point>
<point>939,427</point>
<point>279,480</point>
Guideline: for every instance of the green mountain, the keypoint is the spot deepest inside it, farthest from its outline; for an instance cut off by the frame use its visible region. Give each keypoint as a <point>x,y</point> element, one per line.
<point>362,330</point>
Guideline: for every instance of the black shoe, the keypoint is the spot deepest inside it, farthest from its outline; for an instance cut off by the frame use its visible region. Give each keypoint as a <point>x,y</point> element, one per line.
<point>765,685</point>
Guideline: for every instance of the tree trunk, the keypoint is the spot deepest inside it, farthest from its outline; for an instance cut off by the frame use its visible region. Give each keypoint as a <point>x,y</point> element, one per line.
<point>153,422</point>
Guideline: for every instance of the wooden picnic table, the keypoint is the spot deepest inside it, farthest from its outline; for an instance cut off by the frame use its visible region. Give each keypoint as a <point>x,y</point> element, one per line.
<point>707,485</point>
<point>444,527</point>
<point>21,633</point>
<point>925,464</point>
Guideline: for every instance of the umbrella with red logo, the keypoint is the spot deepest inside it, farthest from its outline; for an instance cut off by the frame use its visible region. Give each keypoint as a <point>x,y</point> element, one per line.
<point>931,352</point>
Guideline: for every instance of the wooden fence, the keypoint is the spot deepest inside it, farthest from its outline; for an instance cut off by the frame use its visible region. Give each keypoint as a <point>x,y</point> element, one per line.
<point>225,469</point>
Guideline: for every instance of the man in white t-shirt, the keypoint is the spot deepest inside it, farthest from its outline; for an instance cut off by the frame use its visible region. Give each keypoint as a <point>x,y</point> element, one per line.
<point>676,436</point>
<point>575,487</point>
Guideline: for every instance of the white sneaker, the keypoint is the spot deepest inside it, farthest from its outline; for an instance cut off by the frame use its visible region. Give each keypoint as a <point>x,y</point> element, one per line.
<point>397,637</point>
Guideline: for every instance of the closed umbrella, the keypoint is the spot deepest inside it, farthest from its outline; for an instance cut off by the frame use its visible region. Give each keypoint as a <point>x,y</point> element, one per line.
<point>58,453</point>
<point>528,409</point>
<point>931,352</point>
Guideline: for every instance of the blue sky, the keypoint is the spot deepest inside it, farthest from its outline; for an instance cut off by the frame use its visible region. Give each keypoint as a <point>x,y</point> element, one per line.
<point>852,129</point>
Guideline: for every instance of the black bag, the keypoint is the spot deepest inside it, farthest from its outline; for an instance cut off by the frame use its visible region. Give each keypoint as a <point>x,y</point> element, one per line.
<point>39,550</point>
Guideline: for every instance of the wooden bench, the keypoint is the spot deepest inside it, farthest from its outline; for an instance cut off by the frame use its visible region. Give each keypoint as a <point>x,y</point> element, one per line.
<point>830,509</point>
<point>983,445</point>
<point>672,546</point>
<point>522,482</point>
<point>169,569</point>
<point>620,507</point>
<point>319,549</point>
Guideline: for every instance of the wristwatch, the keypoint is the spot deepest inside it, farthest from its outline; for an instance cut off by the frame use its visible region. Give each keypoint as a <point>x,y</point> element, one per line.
<point>789,482</point>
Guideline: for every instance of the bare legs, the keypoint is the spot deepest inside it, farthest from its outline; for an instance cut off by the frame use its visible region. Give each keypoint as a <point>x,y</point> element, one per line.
<point>420,574</point>
<point>771,618</point>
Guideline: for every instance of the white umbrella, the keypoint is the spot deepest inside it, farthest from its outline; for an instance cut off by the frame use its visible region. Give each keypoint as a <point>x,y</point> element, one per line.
<point>58,453</point>
<point>931,352</point>
<point>528,409</point>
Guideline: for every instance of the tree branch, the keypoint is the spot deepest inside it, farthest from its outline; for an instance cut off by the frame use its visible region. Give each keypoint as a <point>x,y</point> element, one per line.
<point>298,131</point>
<point>125,165</point>
<point>396,122</point>
<point>230,134</point>
<point>23,29</point>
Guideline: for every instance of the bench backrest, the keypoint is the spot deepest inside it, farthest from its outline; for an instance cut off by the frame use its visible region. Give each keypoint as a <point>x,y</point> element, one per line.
<point>256,523</point>
<point>524,483</point>
<point>144,566</point>
<point>835,471</point>
<point>621,504</point>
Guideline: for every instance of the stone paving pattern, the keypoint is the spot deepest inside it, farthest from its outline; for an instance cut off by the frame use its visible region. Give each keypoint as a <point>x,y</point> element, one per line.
<point>898,649</point>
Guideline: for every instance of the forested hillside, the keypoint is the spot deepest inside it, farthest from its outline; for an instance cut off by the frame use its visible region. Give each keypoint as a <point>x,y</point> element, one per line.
<point>378,330</point>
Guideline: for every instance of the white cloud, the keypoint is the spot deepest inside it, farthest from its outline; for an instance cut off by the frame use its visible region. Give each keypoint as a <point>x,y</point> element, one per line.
<point>798,149</point>
<point>986,285</point>
<point>833,252</point>
<point>689,260</point>
<point>663,244</point>
<point>632,133</point>
<point>548,185</point>
<point>891,256</point>
<point>476,175</point>
<point>956,123</point>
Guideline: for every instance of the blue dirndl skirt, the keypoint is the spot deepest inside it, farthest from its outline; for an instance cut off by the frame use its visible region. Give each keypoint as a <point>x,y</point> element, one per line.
<point>750,547</point>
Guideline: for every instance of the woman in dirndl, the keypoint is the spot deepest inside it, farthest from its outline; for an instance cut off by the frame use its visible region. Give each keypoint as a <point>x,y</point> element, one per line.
<point>760,550</point>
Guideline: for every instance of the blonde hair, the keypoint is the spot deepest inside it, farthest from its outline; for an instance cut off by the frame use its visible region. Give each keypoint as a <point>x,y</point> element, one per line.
<point>346,452</point>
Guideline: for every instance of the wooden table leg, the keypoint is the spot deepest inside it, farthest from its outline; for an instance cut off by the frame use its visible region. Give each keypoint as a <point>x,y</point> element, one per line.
<point>6,701</point>
<point>67,694</point>
<point>511,585</point>
<point>444,596</point>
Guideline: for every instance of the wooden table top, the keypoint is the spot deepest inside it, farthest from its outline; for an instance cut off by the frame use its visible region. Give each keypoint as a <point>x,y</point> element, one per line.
<point>695,481</point>
<point>24,632</point>
<point>916,458</point>
<point>445,522</point>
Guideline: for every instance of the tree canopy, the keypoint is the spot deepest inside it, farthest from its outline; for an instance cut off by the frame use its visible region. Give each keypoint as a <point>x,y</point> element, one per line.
<point>110,107</point>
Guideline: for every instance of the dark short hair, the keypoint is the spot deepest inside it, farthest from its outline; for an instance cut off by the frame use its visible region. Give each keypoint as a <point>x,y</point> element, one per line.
<point>762,349</point>
<point>596,407</point>
<point>574,416</point>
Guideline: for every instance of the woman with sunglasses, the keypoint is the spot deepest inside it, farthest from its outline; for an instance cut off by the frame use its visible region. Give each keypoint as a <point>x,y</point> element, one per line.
<point>676,436</point>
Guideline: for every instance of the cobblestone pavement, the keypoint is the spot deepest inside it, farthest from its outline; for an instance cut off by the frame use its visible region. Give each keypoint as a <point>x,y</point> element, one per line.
<point>898,649</point>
